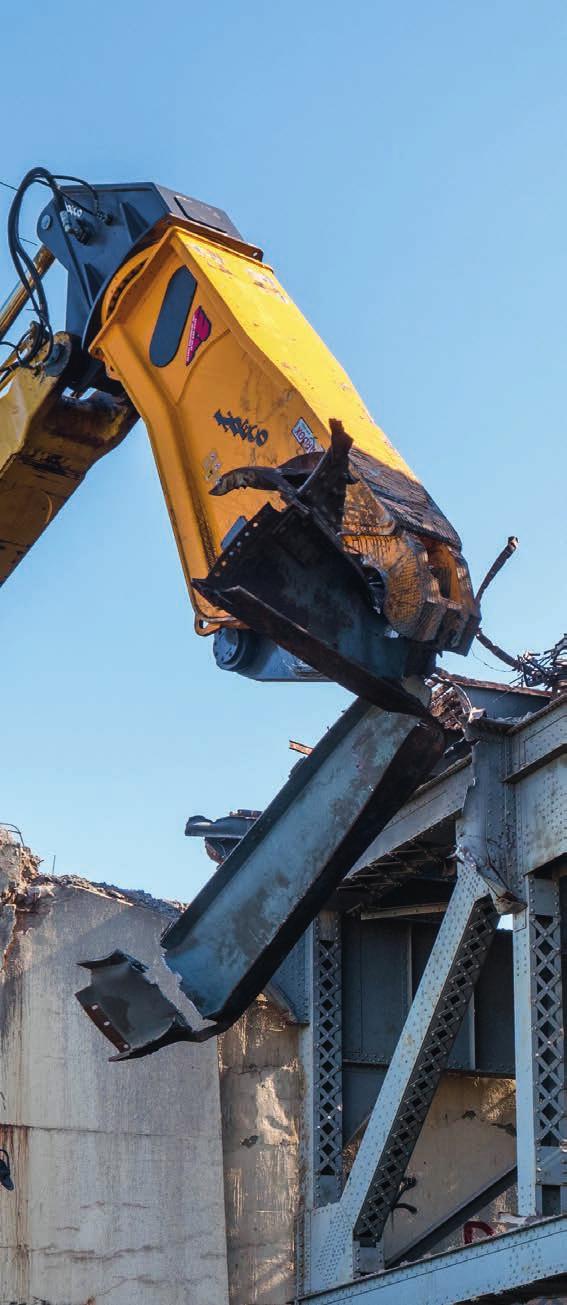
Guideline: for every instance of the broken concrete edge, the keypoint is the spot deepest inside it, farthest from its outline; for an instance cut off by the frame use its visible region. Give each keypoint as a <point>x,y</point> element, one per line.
<point>135,896</point>
<point>22,876</point>
<point>26,890</point>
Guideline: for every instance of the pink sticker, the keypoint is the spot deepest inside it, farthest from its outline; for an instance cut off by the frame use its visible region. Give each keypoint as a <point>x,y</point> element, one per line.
<point>199,331</point>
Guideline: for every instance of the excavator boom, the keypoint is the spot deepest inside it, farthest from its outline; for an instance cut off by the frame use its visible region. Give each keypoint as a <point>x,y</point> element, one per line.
<point>299,527</point>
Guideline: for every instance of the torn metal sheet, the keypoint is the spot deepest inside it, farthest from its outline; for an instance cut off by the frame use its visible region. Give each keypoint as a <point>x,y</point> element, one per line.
<point>131,1011</point>
<point>324,613</point>
<point>287,576</point>
<point>231,939</point>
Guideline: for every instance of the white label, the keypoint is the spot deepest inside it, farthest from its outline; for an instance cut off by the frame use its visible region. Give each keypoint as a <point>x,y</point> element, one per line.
<point>305,437</point>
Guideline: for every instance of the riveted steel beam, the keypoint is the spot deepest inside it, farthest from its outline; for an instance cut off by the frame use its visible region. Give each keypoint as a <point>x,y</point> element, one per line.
<point>421,1055</point>
<point>501,1268</point>
<point>230,940</point>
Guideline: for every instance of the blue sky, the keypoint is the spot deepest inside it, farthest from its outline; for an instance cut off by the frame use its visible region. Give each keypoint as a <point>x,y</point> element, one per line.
<point>404,167</point>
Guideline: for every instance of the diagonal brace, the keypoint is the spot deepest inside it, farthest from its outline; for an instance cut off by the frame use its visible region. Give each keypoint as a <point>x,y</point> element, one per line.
<point>420,1057</point>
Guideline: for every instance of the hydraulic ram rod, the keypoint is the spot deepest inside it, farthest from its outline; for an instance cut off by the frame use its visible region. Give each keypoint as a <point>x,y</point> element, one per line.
<point>18,297</point>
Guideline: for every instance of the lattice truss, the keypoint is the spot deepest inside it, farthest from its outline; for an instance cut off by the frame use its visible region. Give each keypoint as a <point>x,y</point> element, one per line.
<point>548,1028</point>
<point>431,1062</point>
<point>327,1060</point>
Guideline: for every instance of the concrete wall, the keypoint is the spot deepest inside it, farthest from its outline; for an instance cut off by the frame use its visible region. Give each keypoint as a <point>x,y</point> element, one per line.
<point>118,1168</point>
<point>260,1096</point>
<point>468,1141</point>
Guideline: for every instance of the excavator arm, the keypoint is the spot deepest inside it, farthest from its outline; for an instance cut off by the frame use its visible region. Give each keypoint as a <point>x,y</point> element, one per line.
<point>309,547</point>
<point>48,442</point>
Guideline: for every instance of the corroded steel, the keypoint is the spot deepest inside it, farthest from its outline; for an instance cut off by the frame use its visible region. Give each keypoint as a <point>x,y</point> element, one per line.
<point>129,1009</point>
<point>229,941</point>
<point>287,576</point>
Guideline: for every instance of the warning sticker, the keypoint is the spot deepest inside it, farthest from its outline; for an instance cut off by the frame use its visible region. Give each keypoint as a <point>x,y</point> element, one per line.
<point>305,437</point>
<point>199,331</point>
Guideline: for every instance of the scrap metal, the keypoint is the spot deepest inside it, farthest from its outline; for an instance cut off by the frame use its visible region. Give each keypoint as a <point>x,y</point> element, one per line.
<point>233,936</point>
<point>131,1011</point>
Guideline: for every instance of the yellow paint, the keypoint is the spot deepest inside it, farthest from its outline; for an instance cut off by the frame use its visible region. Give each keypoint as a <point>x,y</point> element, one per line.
<point>48,442</point>
<point>262,372</point>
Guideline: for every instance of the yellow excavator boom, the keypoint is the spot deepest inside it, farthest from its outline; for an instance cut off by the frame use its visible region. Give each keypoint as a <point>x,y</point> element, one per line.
<point>226,372</point>
<point>298,523</point>
<point>309,547</point>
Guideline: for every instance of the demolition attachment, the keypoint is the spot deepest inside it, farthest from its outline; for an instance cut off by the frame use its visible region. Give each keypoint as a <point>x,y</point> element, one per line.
<point>309,547</point>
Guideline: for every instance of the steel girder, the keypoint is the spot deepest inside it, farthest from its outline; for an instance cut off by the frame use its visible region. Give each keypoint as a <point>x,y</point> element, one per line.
<point>519,1264</point>
<point>228,943</point>
<point>418,1061</point>
<point>512,844</point>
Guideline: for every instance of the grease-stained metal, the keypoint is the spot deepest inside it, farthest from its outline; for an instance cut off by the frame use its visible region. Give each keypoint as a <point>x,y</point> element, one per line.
<point>251,654</point>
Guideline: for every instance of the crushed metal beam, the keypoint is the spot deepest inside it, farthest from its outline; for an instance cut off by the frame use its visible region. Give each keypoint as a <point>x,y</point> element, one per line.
<point>131,1011</point>
<point>230,940</point>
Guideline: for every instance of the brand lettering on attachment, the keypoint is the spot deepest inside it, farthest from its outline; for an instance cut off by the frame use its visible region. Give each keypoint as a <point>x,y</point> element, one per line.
<point>305,437</point>
<point>199,331</point>
<point>73,209</point>
<point>242,427</point>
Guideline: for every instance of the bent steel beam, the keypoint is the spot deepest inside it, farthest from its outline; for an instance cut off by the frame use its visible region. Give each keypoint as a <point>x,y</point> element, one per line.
<point>128,1008</point>
<point>231,939</point>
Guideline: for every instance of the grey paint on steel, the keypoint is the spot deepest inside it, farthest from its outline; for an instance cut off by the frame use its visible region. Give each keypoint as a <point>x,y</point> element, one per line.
<point>420,1055</point>
<point>518,1259</point>
<point>230,940</point>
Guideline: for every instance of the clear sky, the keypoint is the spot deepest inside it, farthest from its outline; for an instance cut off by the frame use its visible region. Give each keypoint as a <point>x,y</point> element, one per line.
<point>404,167</point>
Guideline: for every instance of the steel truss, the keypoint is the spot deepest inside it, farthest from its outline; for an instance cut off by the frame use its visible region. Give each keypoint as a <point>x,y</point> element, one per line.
<point>511,836</point>
<point>523,1263</point>
<point>537,776</point>
<point>421,1055</point>
<point>327,1062</point>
